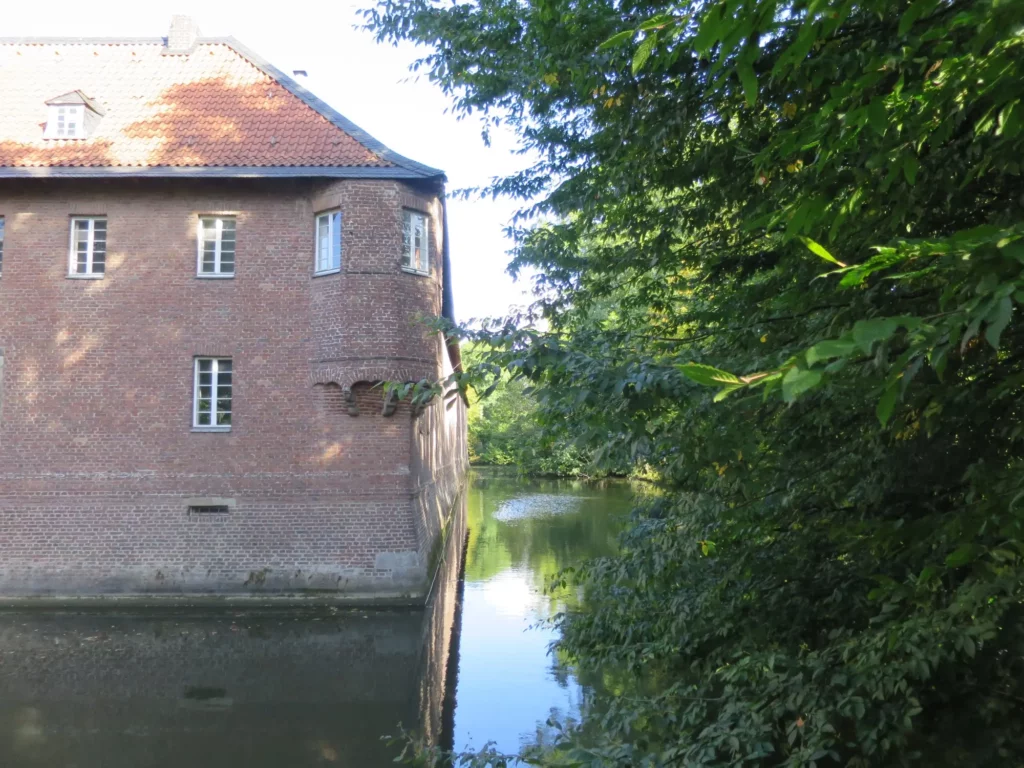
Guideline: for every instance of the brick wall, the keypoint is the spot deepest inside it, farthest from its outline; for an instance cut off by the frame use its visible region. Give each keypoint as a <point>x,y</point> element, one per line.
<point>97,454</point>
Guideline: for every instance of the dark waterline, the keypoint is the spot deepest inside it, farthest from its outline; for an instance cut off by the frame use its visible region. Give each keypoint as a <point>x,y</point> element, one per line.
<point>316,688</point>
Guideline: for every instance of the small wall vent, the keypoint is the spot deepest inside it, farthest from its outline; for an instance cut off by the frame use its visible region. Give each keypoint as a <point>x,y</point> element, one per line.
<point>209,506</point>
<point>211,509</point>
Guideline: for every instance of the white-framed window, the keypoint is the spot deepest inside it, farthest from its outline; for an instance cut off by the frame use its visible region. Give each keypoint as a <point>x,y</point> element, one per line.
<point>328,242</point>
<point>1,244</point>
<point>216,238</point>
<point>88,253</point>
<point>415,242</point>
<point>65,122</point>
<point>211,395</point>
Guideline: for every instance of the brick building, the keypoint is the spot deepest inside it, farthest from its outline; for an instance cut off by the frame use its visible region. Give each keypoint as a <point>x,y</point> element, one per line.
<point>205,274</point>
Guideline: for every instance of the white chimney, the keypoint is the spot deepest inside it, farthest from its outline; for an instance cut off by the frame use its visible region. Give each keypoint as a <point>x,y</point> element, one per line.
<point>183,35</point>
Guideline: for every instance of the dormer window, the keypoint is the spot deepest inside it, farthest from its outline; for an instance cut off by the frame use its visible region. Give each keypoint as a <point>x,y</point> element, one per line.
<point>71,116</point>
<point>67,122</point>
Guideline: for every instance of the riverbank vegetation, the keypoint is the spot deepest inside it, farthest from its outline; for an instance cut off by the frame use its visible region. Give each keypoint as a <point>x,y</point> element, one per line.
<point>507,428</point>
<point>782,264</point>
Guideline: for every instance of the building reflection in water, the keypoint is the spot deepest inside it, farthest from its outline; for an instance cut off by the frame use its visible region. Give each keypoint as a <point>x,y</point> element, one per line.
<point>277,688</point>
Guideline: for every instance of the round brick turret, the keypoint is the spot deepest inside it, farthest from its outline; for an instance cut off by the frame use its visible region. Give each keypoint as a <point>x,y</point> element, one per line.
<point>370,320</point>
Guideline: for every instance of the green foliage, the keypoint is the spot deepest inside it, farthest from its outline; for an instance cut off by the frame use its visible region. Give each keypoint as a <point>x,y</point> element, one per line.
<point>506,428</point>
<point>837,576</point>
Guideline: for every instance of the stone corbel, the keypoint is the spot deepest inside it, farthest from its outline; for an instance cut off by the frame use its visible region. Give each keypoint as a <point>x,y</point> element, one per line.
<point>350,399</point>
<point>390,404</point>
<point>348,377</point>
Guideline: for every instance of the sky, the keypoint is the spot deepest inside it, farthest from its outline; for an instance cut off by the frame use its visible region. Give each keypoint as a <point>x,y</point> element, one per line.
<point>368,82</point>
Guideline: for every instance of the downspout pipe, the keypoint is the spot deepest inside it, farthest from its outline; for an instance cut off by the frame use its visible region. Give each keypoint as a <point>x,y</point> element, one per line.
<point>447,293</point>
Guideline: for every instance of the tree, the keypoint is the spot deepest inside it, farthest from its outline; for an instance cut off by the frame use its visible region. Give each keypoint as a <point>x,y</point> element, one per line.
<point>506,429</point>
<point>784,268</point>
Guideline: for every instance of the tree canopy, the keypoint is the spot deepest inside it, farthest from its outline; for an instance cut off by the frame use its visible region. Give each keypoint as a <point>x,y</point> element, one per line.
<point>782,263</point>
<point>507,429</point>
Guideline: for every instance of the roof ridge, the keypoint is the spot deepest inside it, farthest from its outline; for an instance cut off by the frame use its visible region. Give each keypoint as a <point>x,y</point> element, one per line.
<point>45,40</point>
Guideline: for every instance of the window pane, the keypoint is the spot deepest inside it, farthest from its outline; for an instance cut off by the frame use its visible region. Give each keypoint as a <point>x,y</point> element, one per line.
<point>323,243</point>
<point>80,232</point>
<point>425,264</point>
<point>415,244</point>
<point>207,246</point>
<point>99,252</point>
<point>227,256</point>
<point>336,240</point>
<point>421,243</point>
<point>227,245</point>
<point>213,392</point>
<point>407,239</point>
<point>81,247</point>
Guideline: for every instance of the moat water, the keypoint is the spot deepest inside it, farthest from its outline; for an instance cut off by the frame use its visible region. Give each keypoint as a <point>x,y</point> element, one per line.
<point>319,688</point>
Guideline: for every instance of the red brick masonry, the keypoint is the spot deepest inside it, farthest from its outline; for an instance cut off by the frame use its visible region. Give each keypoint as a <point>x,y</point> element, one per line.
<point>98,457</point>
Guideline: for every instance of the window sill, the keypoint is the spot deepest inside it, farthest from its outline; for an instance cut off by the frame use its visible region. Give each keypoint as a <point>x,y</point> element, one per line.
<point>215,277</point>
<point>211,429</point>
<point>411,271</point>
<point>86,277</point>
<point>327,272</point>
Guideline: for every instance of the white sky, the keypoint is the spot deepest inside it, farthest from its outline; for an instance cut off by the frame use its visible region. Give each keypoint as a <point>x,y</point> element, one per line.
<point>368,83</point>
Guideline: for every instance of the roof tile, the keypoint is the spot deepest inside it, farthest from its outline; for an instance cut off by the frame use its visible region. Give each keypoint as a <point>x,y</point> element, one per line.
<point>211,107</point>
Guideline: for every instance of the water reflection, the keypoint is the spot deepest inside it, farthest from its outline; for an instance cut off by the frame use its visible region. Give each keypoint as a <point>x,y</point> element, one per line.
<point>86,690</point>
<point>316,688</point>
<point>230,688</point>
<point>522,533</point>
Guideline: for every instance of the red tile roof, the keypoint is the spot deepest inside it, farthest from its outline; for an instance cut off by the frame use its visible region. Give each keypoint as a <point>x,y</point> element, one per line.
<point>212,107</point>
